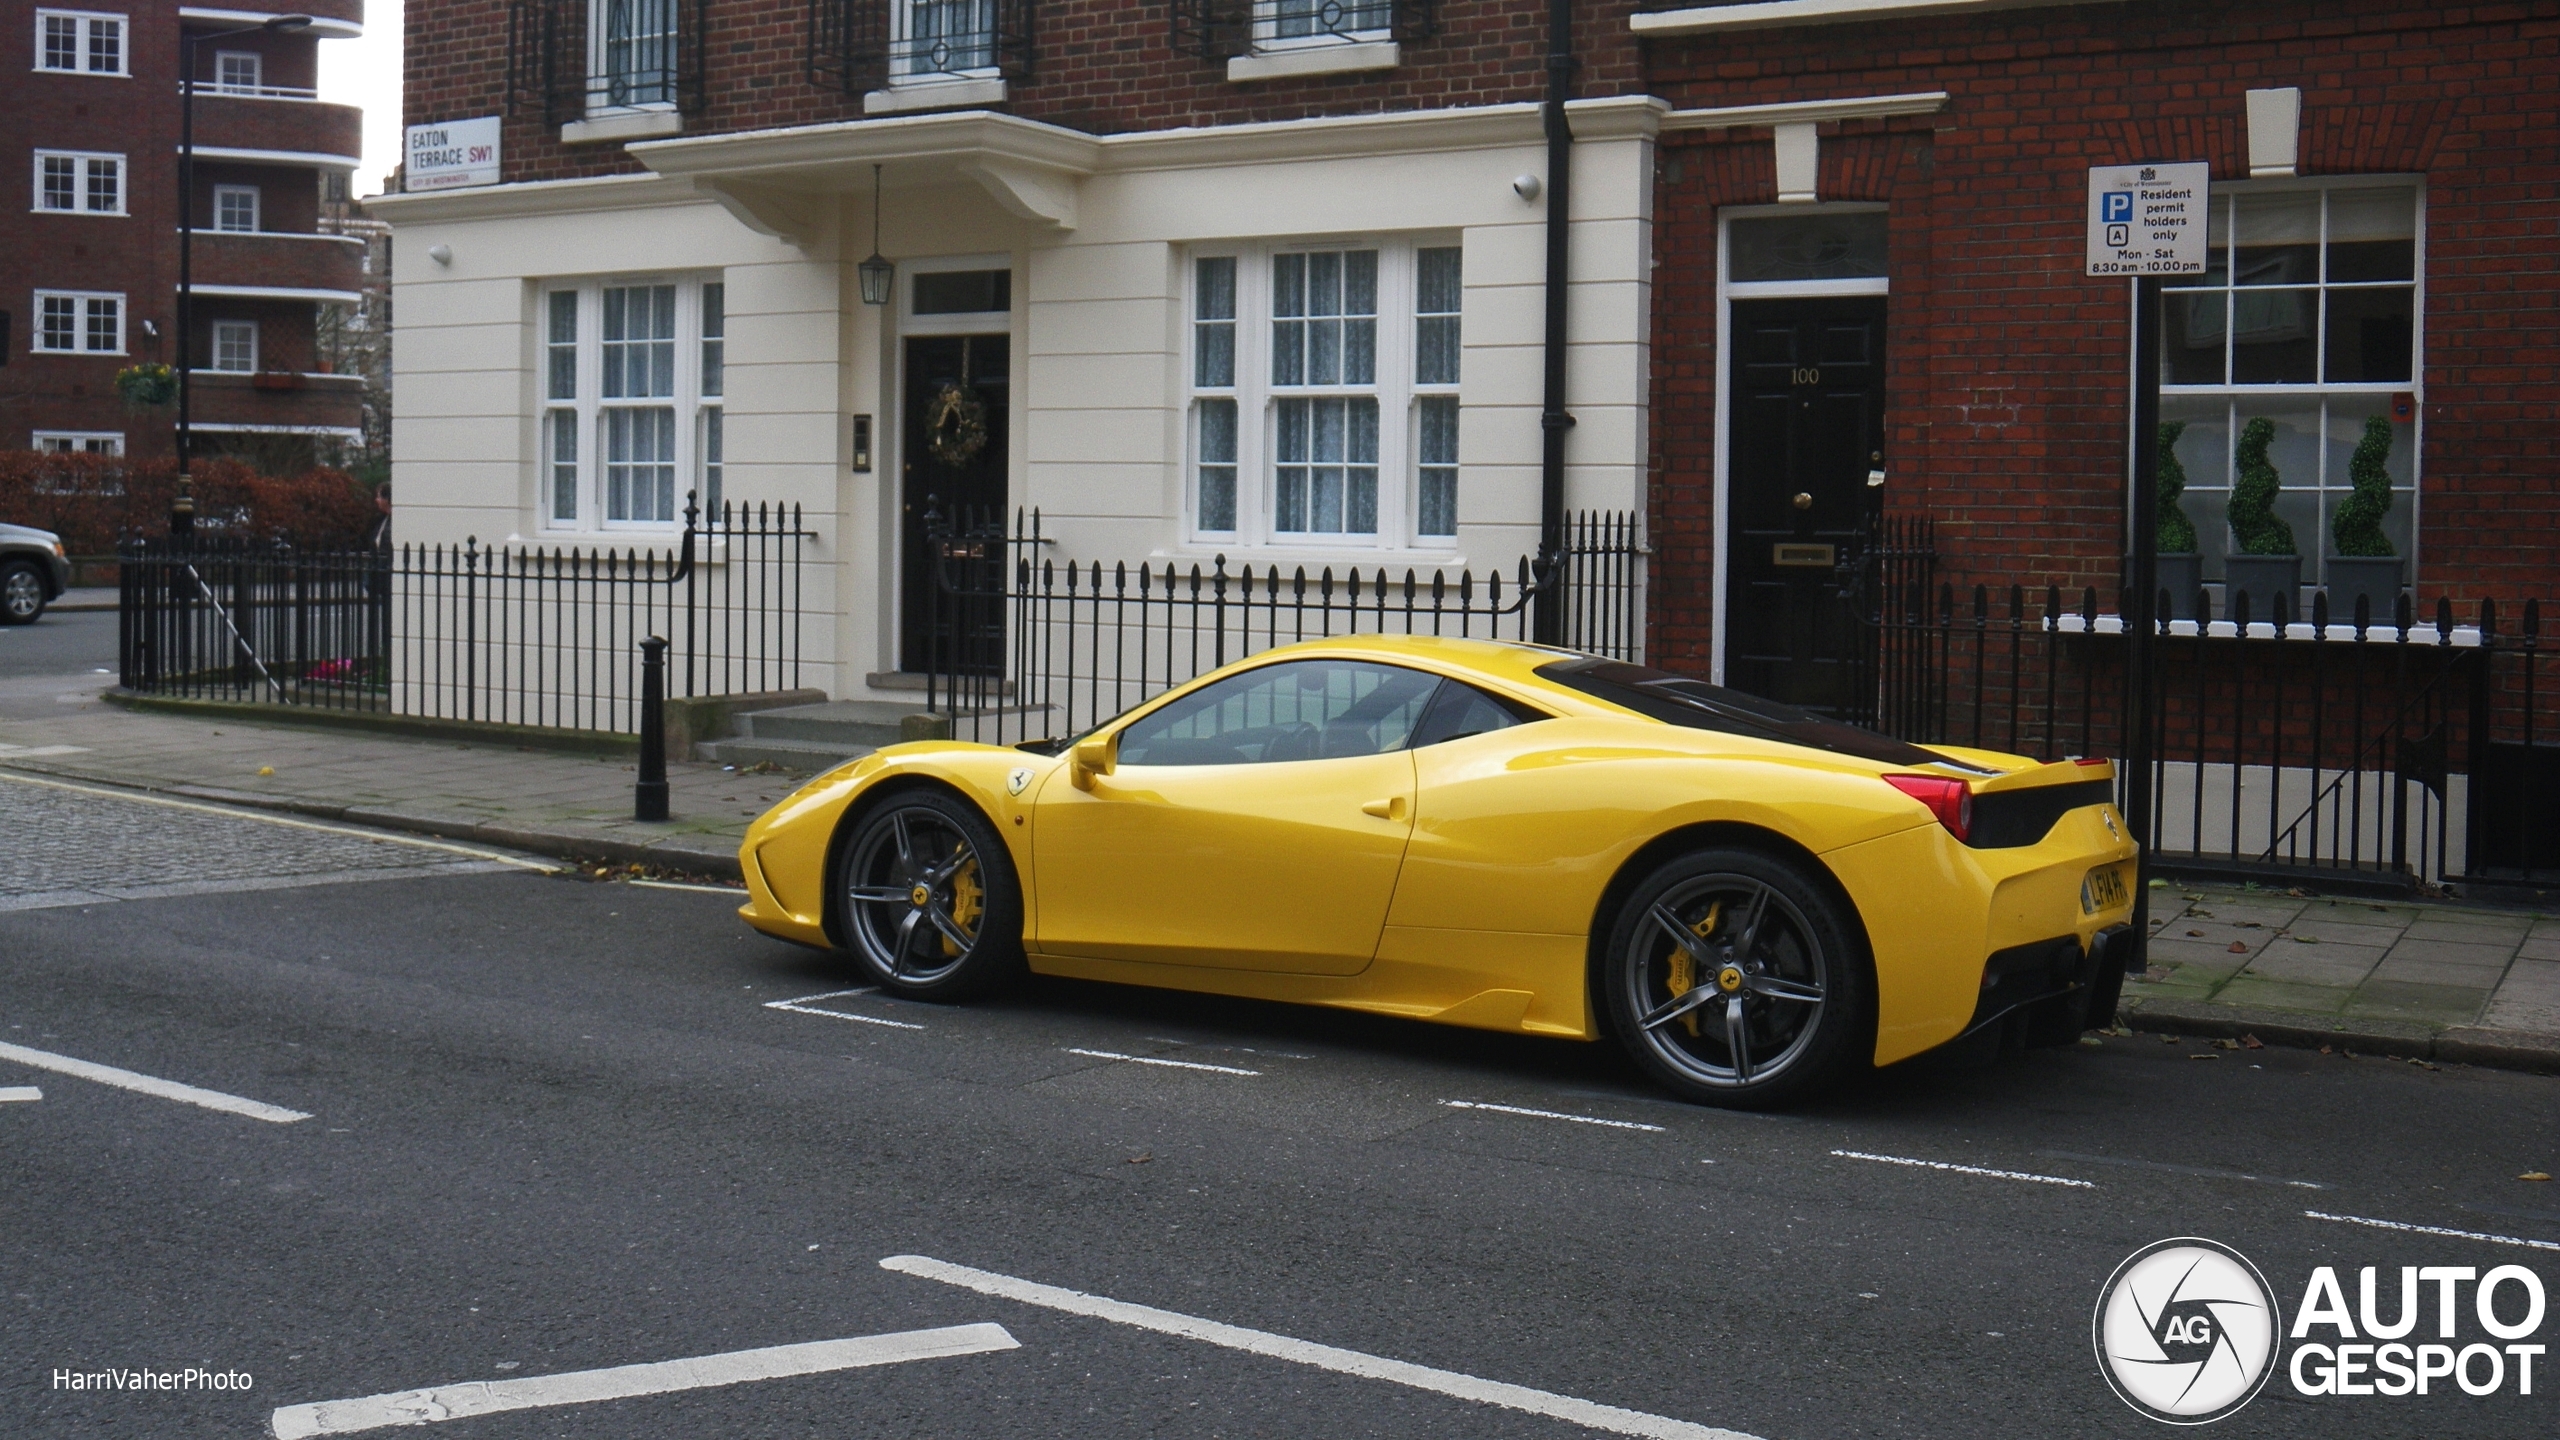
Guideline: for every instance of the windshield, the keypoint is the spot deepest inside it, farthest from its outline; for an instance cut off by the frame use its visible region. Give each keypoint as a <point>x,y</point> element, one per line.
<point>1680,700</point>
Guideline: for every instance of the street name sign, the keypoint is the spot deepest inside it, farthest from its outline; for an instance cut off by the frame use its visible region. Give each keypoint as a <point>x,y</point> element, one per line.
<point>449,154</point>
<point>2148,219</point>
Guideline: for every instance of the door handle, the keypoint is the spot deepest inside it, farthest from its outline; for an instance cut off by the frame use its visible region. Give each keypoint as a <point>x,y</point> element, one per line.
<point>1388,809</point>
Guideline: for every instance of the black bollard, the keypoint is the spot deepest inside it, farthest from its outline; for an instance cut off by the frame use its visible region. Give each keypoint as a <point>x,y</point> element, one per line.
<point>649,796</point>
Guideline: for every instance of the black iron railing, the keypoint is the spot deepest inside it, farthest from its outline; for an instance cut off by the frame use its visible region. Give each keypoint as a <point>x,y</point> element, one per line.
<point>1224,29</point>
<point>515,635</point>
<point>569,59</point>
<point>855,46</point>
<point>1026,646</point>
<point>2416,750</point>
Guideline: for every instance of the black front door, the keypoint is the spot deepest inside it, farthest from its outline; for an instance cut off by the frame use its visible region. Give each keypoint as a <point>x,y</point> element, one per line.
<point>953,449</point>
<point>1808,430</point>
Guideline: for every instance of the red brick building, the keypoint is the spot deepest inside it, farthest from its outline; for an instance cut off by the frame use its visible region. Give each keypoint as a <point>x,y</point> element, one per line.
<point>1844,278</point>
<point>89,266</point>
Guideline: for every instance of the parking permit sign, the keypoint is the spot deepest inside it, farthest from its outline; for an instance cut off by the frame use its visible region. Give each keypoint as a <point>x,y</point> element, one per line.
<point>2148,219</point>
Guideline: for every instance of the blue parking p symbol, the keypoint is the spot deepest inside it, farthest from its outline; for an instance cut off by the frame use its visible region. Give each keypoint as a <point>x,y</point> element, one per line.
<point>2115,207</point>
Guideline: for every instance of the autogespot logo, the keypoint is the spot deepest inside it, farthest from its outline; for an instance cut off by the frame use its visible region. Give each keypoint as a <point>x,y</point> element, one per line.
<point>2186,1331</point>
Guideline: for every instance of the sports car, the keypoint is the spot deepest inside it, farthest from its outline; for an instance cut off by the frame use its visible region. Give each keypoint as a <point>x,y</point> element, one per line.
<point>1753,900</point>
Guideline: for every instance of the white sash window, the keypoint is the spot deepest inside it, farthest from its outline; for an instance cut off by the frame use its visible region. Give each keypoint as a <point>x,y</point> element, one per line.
<point>630,375</point>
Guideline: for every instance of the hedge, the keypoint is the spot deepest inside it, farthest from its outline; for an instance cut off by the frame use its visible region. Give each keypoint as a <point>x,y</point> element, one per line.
<point>90,500</point>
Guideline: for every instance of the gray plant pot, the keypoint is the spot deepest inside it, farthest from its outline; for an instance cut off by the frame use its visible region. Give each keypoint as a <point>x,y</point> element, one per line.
<point>2182,575</point>
<point>2262,578</point>
<point>2375,577</point>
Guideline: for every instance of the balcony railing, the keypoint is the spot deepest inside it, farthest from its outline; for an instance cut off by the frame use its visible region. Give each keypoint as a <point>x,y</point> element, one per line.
<point>1225,29</point>
<point>862,45</point>
<point>649,56</point>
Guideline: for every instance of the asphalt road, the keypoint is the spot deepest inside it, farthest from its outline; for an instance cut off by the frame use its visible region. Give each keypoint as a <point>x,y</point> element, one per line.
<point>557,1126</point>
<point>74,642</point>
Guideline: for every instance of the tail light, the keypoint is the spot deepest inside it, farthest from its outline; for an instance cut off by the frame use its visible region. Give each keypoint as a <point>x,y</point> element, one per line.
<point>1950,800</point>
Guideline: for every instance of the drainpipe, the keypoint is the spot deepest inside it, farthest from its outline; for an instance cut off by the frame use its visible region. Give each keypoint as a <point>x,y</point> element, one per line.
<point>1553,420</point>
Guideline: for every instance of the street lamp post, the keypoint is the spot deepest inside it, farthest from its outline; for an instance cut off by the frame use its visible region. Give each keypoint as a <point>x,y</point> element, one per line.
<point>182,511</point>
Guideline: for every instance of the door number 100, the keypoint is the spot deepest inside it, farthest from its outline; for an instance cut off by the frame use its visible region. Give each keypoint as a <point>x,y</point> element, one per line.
<point>1804,376</point>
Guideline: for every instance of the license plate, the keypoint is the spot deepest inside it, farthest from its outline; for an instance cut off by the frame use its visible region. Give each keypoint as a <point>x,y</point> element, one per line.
<point>2102,890</point>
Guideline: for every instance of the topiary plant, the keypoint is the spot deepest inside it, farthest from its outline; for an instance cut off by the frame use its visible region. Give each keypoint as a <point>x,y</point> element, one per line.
<point>2177,533</point>
<point>2358,528</point>
<point>2253,496</point>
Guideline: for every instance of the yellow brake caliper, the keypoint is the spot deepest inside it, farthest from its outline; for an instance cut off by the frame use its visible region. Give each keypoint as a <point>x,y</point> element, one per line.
<point>966,901</point>
<point>1684,974</point>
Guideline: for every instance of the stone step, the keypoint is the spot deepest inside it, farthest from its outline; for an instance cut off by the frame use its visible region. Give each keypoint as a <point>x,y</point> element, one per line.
<point>804,755</point>
<point>865,723</point>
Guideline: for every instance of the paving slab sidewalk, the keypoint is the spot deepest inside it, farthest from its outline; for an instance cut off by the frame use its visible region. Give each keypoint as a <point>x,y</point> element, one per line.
<point>2424,980</point>
<point>544,801</point>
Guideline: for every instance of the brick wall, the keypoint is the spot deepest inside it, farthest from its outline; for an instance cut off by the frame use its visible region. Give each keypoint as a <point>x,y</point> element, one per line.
<point>2007,404</point>
<point>1104,66</point>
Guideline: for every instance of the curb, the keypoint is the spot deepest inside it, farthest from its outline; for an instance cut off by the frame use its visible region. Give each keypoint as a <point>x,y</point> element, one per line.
<point>2403,1039</point>
<point>683,852</point>
<point>380,725</point>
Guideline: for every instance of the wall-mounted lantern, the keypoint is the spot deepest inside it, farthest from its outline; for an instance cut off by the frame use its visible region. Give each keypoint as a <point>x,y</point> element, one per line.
<point>875,273</point>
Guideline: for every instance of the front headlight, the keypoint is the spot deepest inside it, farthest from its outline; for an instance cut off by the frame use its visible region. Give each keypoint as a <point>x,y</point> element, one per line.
<point>59,553</point>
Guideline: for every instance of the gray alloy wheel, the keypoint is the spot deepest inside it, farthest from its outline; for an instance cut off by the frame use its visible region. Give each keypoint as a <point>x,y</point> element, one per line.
<point>21,594</point>
<point>927,899</point>
<point>1731,979</point>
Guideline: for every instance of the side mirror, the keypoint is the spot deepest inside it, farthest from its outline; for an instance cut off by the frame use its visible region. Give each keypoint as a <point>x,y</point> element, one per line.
<point>1094,755</point>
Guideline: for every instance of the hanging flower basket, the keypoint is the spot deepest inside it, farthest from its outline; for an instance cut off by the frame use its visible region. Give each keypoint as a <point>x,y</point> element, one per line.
<point>150,384</point>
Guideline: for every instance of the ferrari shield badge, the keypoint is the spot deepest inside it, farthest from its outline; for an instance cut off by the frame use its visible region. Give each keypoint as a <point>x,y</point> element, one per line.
<point>1014,783</point>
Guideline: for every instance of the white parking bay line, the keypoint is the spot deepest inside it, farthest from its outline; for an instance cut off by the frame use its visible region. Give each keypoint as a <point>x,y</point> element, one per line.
<point>1966,1169</point>
<point>2435,1230</point>
<point>1551,1115</point>
<point>802,1006</point>
<point>19,1092</point>
<point>149,1085</point>
<point>1167,1064</point>
<point>579,1387</point>
<point>1587,1413</point>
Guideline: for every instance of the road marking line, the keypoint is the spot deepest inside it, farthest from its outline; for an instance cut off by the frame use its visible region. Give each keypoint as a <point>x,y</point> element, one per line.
<point>1552,1115</point>
<point>2435,1230</point>
<point>2206,1171</point>
<point>1587,1413</point>
<point>801,1006</point>
<point>579,1387</point>
<point>1967,1169</point>
<point>1168,1064</point>
<point>737,890</point>
<point>37,752</point>
<point>144,798</point>
<point>149,1084</point>
<point>11,1093</point>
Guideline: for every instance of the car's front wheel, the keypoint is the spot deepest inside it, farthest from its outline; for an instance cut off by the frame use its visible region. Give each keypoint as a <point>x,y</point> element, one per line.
<point>1734,978</point>
<point>21,593</point>
<point>927,898</point>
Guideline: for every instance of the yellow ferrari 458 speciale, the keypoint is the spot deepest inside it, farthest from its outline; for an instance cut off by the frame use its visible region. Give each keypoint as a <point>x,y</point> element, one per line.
<point>1750,898</point>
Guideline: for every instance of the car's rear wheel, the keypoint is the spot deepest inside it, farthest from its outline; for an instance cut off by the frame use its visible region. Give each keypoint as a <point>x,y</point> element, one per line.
<point>927,898</point>
<point>1734,978</point>
<point>21,593</point>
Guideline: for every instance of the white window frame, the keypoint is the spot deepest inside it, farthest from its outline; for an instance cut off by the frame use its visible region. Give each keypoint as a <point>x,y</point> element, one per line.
<point>2240,402</point>
<point>1267,19</point>
<point>586,411</point>
<point>600,76</point>
<point>85,165</point>
<point>84,305</point>
<point>1257,430</point>
<point>257,208</point>
<point>222,82</point>
<point>908,68</point>
<point>231,331</point>
<point>77,442</point>
<point>85,25</point>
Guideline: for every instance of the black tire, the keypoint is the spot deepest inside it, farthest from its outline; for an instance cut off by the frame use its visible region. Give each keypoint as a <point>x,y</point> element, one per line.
<point>22,596</point>
<point>926,898</point>
<point>1776,952</point>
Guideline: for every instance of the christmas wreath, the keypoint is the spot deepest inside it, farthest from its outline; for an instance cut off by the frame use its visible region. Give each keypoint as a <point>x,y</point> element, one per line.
<point>955,424</point>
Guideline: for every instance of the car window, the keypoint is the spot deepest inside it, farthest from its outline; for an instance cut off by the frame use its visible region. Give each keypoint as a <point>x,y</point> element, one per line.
<point>1461,710</point>
<point>1682,700</point>
<point>1300,710</point>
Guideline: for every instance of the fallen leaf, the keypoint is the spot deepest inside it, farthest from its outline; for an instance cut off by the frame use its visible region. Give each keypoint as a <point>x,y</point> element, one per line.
<point>2252,1042</point>
<point>2535,1175</point>
<point>2168,1039</point>
<point>2091,1040</point>
<point>2226,1044</point>
<point>2249,925</point>
<point>1142,1159</point>
<point>2207,1056</point>
<point>2195,932</point>
<point>2239,949</point>
<point>2306,939</point>
<point>2324,1049</point>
